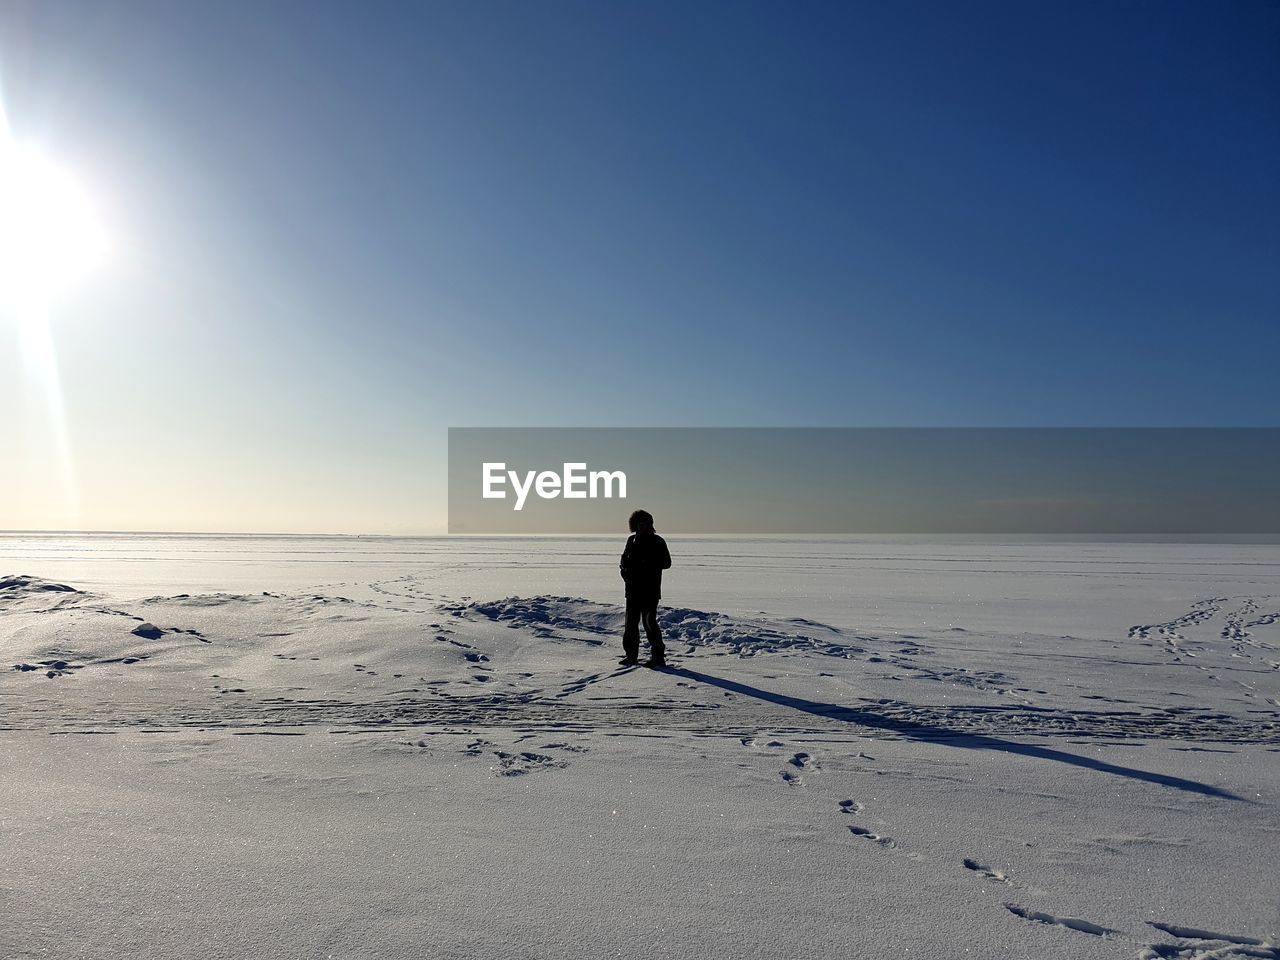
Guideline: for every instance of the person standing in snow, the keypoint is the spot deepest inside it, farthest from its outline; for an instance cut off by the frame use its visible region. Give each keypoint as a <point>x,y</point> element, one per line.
<point>643,560</point>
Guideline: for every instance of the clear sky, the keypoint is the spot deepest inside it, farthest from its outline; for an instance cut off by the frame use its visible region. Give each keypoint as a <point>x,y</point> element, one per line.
<point>338,229</point>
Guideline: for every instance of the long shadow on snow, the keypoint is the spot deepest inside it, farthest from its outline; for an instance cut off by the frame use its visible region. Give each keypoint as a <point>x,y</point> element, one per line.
<point>952,738</point>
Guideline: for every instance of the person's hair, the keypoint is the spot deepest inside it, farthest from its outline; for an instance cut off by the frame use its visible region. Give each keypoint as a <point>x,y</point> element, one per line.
<point>640,518</point>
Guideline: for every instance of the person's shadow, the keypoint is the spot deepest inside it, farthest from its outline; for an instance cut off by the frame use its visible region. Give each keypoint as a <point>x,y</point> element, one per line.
<point>952,738</point>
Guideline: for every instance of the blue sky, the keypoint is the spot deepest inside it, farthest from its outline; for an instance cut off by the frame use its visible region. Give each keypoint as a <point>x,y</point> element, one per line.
<point>343,228</point>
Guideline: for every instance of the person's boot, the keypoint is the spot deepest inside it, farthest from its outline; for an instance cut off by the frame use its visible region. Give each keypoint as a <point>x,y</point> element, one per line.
<point>656,663</point>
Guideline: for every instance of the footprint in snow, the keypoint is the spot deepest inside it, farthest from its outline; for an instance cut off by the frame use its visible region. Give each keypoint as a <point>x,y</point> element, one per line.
<point>799,761</point>
<point>1070,923</point>
<point>1202,944</point>
<point>865,834</point>
<point>984,870</point>
<point>518,764</point>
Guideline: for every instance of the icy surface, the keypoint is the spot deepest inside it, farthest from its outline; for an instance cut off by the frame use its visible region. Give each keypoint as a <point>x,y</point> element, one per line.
<point>310,747</point>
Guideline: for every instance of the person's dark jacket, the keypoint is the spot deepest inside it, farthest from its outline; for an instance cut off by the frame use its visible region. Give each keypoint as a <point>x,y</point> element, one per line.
<point>643,560</point>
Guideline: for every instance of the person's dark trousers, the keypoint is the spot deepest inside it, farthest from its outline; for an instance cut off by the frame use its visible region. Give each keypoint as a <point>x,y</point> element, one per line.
<point>639,611</point>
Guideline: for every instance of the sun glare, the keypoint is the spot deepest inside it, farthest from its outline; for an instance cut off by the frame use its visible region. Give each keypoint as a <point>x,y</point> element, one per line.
<point>50,237</point>
<point>50,234</point>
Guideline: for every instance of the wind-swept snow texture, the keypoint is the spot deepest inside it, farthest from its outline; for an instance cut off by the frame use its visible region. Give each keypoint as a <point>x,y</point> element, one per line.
<point>231,747</point>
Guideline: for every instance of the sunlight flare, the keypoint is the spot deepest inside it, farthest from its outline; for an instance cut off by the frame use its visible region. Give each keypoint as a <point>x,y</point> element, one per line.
<point>50,232</point>
<point>50,238</point>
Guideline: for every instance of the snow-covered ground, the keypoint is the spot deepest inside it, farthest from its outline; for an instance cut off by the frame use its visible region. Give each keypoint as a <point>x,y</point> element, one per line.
<point>365,748</point>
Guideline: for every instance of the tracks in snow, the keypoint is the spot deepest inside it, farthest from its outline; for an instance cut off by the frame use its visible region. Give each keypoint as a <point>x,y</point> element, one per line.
<point>739,716</point>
